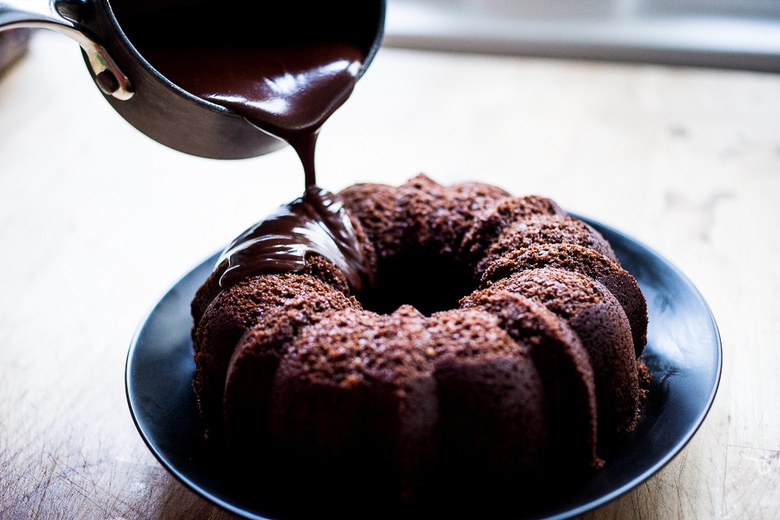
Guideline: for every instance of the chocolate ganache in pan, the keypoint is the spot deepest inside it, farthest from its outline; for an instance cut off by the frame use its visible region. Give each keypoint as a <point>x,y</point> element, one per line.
<point>287,92</point>
<point>284,67</point>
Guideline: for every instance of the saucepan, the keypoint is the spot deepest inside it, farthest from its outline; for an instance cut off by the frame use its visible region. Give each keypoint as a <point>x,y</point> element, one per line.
<point>112,35</point>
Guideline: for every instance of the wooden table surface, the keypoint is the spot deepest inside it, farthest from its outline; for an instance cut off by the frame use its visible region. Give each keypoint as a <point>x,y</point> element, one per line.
<point>97,221</point>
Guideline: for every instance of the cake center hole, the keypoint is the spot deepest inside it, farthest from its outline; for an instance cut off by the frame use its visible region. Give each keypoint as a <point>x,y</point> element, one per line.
<point>428,281</point>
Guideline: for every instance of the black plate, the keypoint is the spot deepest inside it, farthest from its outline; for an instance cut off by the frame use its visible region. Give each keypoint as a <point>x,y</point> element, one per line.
<point>683,354</point>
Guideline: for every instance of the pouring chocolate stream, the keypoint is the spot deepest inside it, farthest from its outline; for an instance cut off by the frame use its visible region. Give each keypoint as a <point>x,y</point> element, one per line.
<point>288,91</point>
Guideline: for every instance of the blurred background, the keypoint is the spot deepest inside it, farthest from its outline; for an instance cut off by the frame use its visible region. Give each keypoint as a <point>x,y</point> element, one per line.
<point>741,34</point>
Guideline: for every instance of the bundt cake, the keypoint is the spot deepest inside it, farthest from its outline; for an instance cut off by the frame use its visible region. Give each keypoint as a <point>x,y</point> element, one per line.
<point>403,343</point>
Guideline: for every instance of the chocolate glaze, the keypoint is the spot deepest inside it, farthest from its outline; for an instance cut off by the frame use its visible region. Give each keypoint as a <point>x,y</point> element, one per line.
<point>284,71</point>
<point>313,224</point>
<point>286,92</point>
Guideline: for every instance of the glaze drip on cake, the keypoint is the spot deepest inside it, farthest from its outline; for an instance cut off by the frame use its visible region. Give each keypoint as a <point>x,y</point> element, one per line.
<point>315,224</point>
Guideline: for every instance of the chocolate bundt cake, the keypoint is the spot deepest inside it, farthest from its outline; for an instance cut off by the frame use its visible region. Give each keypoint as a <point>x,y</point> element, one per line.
<point>400,343</point>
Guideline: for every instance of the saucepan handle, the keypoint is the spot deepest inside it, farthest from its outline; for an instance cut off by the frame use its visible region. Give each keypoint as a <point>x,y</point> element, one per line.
<point>64,17</point>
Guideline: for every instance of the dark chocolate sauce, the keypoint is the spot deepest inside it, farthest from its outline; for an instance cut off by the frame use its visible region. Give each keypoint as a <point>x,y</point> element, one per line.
<point>313,224</point>
<point>286,81</point>
<point>287,92</point>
